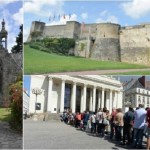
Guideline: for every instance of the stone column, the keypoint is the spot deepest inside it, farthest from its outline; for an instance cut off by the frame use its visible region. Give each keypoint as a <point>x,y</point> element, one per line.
<point>62,96</point>
<point>99,99</point>
<point>94,98</point>
<point>84,97</point>
<point>73,98</point>
<point>102,102</point>
<point>49,101</point>
<point>107,99</point>
<point>110,102</point>
<point>116,99</point>
<point>90,100</point>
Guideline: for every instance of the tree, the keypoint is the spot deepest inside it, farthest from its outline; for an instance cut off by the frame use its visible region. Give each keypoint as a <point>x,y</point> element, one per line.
<point>16,103</point>
<point>19,40</point>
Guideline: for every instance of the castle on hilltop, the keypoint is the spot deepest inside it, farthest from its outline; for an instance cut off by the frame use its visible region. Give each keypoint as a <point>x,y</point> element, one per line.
<point>10,65</point>
<point>103,41</point>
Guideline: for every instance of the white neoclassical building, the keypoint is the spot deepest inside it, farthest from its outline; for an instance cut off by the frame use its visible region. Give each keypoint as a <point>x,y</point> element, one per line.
<point>78,93</point>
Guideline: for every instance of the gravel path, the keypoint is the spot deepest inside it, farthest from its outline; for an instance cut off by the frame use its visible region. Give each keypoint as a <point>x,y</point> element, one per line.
<point>57,135</point>
<point>100,72</point>
<point>9,139</point>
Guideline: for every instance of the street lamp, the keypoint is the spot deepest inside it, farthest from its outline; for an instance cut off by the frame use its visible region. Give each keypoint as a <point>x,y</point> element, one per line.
<point>37,92</point>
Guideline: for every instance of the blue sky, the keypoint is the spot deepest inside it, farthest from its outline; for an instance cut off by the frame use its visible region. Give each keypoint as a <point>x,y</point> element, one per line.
<point>12,12</point>
<point>124,12</point>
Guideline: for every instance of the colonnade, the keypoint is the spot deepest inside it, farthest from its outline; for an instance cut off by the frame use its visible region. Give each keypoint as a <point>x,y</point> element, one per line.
<point>107,97</point>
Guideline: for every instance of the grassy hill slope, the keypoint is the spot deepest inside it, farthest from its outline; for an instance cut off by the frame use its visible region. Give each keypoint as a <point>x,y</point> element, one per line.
<point>38,62</point>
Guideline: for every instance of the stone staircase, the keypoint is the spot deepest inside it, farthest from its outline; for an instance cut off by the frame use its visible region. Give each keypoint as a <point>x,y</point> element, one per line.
<point>47,117</point>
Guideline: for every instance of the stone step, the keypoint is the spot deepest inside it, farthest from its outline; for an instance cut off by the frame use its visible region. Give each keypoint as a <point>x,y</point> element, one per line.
<point>46,117</point>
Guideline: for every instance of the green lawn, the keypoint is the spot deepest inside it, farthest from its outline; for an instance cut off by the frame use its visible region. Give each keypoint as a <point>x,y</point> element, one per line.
<point>38,62</point>
<point>4,114</point>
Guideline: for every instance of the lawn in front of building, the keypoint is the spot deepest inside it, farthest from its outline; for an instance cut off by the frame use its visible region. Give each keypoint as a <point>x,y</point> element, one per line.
<point>133,73</point>
<point>38,62</point>
<point>5,114</point>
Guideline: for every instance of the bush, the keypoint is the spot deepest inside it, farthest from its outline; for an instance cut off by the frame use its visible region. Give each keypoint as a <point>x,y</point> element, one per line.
<point>16,104</point>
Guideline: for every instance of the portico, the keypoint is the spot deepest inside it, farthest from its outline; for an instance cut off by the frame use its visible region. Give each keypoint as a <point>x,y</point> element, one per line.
<point>77,93</point>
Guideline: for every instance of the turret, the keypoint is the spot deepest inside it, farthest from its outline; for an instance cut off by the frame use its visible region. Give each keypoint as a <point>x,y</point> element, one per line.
<point>107,45</point>
<point>3,35</point>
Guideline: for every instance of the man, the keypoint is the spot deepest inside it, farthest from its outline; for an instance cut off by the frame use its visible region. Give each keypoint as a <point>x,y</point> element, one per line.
<point>139,123</point>
<point>148,129</point>
<point>128,124</point>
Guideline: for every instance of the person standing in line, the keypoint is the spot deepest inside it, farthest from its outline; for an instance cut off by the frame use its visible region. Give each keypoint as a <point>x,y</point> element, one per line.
<point>119,124</point>
<point>128,124</point>
<point>139,123</point>
<point>98,121</point>
<point>112,122</point>
<point>148,129</point>
<point>93,123</point>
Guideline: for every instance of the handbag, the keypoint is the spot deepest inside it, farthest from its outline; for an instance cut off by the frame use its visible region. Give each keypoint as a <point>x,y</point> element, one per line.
<point>105,121</point>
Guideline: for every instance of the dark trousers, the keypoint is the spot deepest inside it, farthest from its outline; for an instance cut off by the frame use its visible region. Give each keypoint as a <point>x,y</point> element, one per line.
<point>118,130</point>
<point>138,137</point>
<point>127,132</point>
<point>112,129</point>
<point>93,127</point>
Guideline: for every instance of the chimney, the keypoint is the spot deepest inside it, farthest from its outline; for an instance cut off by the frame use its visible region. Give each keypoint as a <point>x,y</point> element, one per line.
<point>142,81</point>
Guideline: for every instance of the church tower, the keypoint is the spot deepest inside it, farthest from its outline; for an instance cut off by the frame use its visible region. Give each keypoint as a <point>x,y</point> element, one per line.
<point>3,36</point>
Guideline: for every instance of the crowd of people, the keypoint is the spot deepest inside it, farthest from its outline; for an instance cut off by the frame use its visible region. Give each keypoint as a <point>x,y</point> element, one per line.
<point>127,128</point>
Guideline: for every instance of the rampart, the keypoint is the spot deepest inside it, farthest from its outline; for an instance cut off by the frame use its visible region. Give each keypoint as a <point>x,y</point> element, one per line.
<point>104,41</point>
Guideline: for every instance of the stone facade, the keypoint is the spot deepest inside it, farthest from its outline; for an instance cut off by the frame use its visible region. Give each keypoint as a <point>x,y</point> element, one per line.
<point>78,93</point>
<point>10,66</point>
<point>104,41</point>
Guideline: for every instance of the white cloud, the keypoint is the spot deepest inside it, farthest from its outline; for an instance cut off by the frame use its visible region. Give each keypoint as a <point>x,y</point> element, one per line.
<point>43,7</point>
<point>136,8</point>
<point>26,31</point>
<point>105,16</point>
<point>84,15</point>
<point>18,17</point>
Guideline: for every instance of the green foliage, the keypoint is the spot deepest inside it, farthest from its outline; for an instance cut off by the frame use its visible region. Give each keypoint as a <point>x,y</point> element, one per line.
<point>19,40</point>
<point>16,104</point>
<point>38,62</point>
<point>59,45</point>
<point>82,46</point>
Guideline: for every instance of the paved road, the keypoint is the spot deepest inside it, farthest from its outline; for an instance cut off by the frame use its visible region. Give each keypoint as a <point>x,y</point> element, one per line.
<point>100,72</point>
<point>57,135</point>
<point>9,139</point>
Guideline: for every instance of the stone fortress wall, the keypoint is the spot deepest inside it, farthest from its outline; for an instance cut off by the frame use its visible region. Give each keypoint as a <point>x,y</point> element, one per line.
<point>10,66</point>
<point>104,41</point>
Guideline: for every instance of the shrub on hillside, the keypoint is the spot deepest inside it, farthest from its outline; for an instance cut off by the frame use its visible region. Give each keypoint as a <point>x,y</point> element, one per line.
<point>59,45</point>
<point>16,104</point>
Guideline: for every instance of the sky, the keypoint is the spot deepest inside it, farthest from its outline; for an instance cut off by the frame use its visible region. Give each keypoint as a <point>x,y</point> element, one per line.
<point>123,12</point>
<point>12,12</point>
<point>27,80</point>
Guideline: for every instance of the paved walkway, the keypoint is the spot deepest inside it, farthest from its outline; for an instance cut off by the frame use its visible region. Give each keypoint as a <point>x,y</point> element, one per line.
<point>100,72</point>
<point>57,135</point>
<point>9,139</point>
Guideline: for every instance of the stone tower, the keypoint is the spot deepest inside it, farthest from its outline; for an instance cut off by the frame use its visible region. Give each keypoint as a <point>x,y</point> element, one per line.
<point>9,68</point>
<point>3,36</point>
<point>107,44</point>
